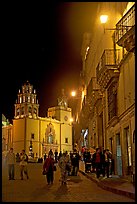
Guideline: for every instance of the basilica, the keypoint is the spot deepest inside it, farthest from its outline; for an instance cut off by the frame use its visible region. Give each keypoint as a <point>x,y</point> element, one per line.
<point>37,135</point>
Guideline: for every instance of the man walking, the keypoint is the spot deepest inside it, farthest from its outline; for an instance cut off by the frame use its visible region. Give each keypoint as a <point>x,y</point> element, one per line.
<point>11,160</point>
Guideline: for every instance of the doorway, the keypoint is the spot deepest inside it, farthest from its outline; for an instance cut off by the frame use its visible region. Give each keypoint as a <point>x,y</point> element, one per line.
<point>128,150</point>
<point>118,155</point>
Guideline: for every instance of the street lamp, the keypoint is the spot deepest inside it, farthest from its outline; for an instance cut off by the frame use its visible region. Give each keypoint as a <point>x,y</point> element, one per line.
<point>103,18</point>
<point>73,93</point>
<point>60,135</point>
<point>71,120</point>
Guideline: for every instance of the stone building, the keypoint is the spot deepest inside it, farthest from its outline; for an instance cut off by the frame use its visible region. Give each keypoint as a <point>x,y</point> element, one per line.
<point>36,134</point>
<point>107,115</point>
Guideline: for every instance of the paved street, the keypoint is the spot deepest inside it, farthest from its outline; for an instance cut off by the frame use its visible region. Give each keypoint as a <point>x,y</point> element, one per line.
<point>78,189</point>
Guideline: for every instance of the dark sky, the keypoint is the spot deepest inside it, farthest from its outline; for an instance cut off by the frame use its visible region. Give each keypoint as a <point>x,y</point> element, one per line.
<point>42,44</point>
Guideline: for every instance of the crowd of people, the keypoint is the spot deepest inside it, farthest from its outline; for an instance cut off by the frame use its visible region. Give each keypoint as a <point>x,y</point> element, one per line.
<point>68,164</point>
<point>99,162</point>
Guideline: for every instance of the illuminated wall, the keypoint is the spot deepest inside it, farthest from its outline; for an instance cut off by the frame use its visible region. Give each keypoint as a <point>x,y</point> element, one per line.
<point>38,131</point>
<point>113,132</point>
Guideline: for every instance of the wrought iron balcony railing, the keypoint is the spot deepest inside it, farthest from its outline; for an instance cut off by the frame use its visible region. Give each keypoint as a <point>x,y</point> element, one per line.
<point>125,26</point>
<point>108,64</point>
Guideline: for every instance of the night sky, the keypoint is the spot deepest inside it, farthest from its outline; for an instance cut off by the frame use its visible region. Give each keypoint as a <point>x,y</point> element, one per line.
<point>42,44</point>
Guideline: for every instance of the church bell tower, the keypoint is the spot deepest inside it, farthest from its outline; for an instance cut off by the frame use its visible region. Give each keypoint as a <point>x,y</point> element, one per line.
<point>27,103</point>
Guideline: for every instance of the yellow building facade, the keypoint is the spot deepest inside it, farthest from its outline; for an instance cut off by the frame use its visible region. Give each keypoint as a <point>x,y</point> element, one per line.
<point>37,135</point>
<point>7,134</point>
<point>108,85</point>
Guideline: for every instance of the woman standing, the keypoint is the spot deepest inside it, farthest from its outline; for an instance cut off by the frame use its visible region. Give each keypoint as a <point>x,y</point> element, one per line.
<point>23,164</point>
<point>63,161</point>
<point>48,166</point>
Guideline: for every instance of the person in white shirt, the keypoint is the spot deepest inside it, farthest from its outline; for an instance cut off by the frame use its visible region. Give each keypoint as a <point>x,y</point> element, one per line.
<point>11,160</point>
<point>23,164</point>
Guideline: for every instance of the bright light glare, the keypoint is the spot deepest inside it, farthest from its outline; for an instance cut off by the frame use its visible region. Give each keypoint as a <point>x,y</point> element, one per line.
<point>71,119</point>
<point>87,48</point>
<point>73,93</point>
<point>103,18</point>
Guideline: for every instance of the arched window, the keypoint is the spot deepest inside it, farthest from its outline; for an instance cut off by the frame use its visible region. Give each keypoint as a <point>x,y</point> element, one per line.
<point>30,110</point>
<point>22,110</point>
<point>18,112</point>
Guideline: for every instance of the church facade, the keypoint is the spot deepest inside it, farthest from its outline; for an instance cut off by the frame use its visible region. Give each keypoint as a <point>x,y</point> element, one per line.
<point>37,135</point>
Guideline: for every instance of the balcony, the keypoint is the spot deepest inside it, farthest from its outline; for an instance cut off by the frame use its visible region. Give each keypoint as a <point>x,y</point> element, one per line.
<point>93,95</point>
<point>108,67</point>
<point>125,30</point>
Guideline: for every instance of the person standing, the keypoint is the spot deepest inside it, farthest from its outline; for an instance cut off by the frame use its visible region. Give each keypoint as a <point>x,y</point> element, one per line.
<point>106,163</point>
<point>97,160</point>
<point>60,155</point>
<point>11,160</point>
<point>62,164</point>
<point>56,156</point>
<point>51,153</point>
<point>49,167</point>
<point>75,162</point>
<point>23,164</point>
<point>45,156</point>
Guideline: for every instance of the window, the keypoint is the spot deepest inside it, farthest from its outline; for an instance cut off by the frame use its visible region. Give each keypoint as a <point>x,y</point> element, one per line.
<point>22,111</point>
<point>32,135</point>
<point>18,111</point>
<point>66,140</point>
<point>112,100</point>
<point>32,100</point>
<point>35,111</point>
<point>30,90</point>
<point>23,98</point>
<point>28,99</point>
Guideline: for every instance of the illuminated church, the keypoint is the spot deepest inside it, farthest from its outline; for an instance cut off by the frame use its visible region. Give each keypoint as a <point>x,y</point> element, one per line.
<point>36,134</point>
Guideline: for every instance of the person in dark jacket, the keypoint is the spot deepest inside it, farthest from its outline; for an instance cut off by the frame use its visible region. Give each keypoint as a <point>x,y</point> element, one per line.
<point>45,156</point>
<point>86,156</point>
<point>87,160</point>
<point>106,163</point>
<point>60,155</point>
<point>75,162</point>
<point>49,167</point>
<point>56,156</point>
<point>97,161</point>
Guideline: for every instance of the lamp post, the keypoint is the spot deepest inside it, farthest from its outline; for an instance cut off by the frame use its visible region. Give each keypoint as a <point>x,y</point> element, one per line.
<point>60,135</point>
<point>78,96</point>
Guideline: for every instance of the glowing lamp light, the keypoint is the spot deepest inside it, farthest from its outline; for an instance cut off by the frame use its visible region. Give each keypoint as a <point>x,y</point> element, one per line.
<point>71,120</point>
<point>103,18</point>
<point>73,93</point>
